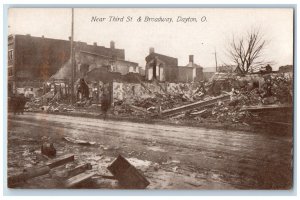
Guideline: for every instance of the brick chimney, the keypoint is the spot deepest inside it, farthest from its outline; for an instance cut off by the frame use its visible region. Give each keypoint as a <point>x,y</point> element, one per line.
<point>191,59</point>
<point>95,43</point>
<point>112,44</point>
<point>151,50</point>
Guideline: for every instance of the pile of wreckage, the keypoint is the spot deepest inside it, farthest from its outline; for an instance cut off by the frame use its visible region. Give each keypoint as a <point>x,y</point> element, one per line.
<point>220,100</point>
<point>49,102</point>
<point>60,170</point>
<point>224,100</point>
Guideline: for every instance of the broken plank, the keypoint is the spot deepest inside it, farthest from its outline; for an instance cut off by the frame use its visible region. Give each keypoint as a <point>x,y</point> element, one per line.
<point>35,172</point>
<point>139,109</point>
<point>178,116</point>
<point>27,174</point>
<point>75,180</point>
<point>79,169</point>
<point>284,108</point>
<point>60,160</point>
<point>108,177</point>
<point>191,106</point>
<point>198,112</point>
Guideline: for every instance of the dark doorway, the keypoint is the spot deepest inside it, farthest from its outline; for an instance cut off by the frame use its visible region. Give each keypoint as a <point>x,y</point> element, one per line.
<point>154,68</point>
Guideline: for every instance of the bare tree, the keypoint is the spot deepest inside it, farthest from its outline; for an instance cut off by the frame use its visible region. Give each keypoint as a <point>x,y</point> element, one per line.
<point>246,52</point>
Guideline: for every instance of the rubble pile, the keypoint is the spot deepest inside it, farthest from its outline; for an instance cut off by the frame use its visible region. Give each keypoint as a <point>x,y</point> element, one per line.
<point>282,88</point>
<point>227,112</point>
<point>164,101</point>
<point>59,107</point>
<point>276,89</point>
<point>150,99</point>
<point>52,105</point>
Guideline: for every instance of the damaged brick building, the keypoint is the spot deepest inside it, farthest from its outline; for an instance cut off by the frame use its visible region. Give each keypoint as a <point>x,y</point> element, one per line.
<point>33,60</point>
<point>191,72</point>
<point>161,67</point>
<point>165,69</point>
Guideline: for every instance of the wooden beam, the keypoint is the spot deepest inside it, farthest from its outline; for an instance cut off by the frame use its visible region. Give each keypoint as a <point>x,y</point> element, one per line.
<point>268,107</point>
<point>139,109</point>
<point>79,169</point>
<point>27,174</point>
<point>198,112</point>
<point>75,180</point>
<point>35,172</point>
<point>60,161</point>
<point>191,106</point>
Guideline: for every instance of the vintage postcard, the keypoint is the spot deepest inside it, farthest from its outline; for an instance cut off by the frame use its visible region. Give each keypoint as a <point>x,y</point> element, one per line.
<point>150,98</point>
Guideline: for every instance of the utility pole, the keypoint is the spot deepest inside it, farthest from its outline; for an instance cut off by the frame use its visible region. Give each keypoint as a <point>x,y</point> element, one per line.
<point>72,58</point>
<point>216,60</point>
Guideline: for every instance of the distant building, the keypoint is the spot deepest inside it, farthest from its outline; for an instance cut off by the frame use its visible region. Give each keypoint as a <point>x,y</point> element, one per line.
<point>165,68</point>
<point>286,69</point>
<point>221,72</point>
<point>229,69</point>
<point>161,67</point>
<point>191,72</point>
<point>87,60</point>
<point>33,60</point>
<point>208,72</point>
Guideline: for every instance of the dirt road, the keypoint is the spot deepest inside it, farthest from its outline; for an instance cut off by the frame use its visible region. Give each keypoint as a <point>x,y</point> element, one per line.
<point>171,157</point>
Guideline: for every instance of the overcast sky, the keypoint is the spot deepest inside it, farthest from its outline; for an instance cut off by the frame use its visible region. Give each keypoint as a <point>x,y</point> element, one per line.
<point>176,39</point>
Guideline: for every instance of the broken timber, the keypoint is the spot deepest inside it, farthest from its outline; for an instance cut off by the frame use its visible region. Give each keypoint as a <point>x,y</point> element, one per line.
<point>75,180</point>
<point>139,109</point>
<point>35,172</point>
<point>198,112</point>
<point>281,115</point>
<point>60,161</point>
<point>283,108</point>
<point>79,169</point>
<point>194,105</point>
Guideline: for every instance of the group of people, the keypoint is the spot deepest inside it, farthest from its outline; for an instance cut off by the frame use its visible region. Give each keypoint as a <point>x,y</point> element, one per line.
<point>17,102</point>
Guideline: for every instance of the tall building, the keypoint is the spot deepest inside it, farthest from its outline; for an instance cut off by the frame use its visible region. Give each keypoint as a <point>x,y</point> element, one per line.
<point>33,60</point>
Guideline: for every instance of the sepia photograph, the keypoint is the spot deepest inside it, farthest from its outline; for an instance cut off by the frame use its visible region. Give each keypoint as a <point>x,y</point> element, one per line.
<point>150,98</point>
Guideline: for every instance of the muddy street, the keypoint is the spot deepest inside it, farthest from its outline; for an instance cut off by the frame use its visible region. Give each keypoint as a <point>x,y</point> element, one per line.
<point>171,157</point>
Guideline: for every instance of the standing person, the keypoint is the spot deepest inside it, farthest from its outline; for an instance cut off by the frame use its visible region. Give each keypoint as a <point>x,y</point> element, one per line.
<point>21,103</point>
<point>17,104</point>
<point>83,90</point>
<point>105,102</point>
